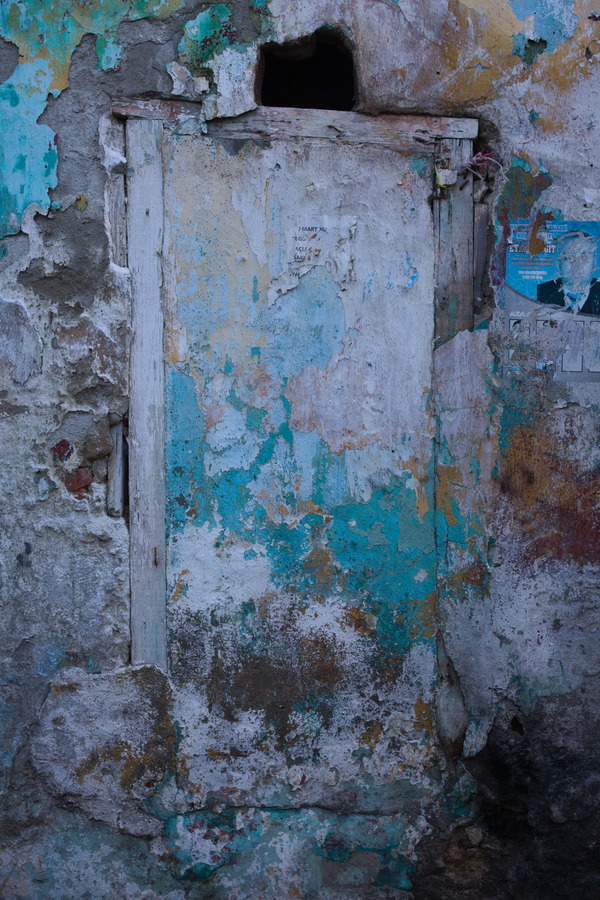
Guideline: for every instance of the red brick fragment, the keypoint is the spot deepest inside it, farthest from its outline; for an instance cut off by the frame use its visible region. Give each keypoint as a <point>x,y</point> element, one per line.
<point>76,481</point>
<point>62,450</point>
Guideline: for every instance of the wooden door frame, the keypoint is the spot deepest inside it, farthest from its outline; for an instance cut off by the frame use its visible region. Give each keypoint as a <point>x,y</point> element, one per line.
<point>450,143</point>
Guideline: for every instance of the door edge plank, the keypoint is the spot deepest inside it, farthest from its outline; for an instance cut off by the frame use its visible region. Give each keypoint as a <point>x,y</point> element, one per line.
<point>146,422</point>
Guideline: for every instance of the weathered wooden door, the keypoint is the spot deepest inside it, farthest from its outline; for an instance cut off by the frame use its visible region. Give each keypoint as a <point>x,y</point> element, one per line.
<point>297,253</point>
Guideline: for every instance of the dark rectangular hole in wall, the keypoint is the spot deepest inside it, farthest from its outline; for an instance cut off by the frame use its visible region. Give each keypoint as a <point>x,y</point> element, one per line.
<point>316,72</point>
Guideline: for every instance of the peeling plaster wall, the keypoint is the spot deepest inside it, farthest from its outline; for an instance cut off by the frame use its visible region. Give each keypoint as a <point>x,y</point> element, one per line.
<point>99,801</point>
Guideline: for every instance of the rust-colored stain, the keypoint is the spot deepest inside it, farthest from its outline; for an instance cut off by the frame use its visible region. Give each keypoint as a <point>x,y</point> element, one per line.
<point>305,673</point>
<point>555,499</point>
<point>61,451</point>
<point>448,478</point>
<point>146,764</point>
<point>476,575</point>
<point>536,243</point>
<point>422,614</point>
<point>226,755</point>
<point>180,586</point>
<point>121,752</point>
<point>424,717</point>
<point>321,660</point>
<point>419,471</point>
<point>358,618</point>
<point>372,734</point>
<point>60,688</point>
<point>319,565</point>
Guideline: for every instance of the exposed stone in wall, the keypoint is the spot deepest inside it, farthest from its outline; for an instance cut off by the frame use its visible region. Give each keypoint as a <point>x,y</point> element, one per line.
<point>101,797</point>
<point>21,347</point>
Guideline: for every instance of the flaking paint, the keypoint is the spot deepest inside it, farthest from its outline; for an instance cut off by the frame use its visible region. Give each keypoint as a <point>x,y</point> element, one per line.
<point>515,587</point>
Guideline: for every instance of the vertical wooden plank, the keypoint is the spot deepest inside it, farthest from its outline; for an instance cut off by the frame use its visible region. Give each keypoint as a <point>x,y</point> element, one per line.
<point>481,212</point>
<point>115,488</point>
<point>453,222</point>
<point>146,422</point>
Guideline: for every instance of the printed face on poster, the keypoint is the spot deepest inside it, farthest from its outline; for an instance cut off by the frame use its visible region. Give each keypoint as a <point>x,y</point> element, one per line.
<point>565,275</point>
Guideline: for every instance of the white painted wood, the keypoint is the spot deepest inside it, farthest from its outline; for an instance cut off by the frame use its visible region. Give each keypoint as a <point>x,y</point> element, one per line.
<point>165,110</point>
<point>411,133</point>
<point>403,132</point>
<point>146,422</point>
<point>453,222</point>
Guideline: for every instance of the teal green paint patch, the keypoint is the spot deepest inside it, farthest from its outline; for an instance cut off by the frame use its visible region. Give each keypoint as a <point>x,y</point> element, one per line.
<point>459,799</point>
<point>380,546</point>
<point>185,434</point>
<point>28,157</point>
<point>422,165</point>
<point>553,24</point>
<point>255,418</point>
<point>521,191</point>
<point>527,48</point>
<point>533,116</point>
<point>388,519</point>
<point>205,35</point>
<point>50,161</point>
<point>304,327</point>
<point>260,15</point>
<point>109,52</point>
<point>46,35</point>
<point>242,846</point>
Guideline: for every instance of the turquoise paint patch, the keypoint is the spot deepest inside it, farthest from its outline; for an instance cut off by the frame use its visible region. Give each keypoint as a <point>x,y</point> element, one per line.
<point>255,418</point>
<point>422,165</point>
<point>528,48</point>
<point>239,473</point>
<point>411,273</point>
<point>518,163</point>
<point>324,473</point>
<point>46,35</point>
<point>108,51</point>
<point>380,546</point>
<point>185,433</point>
<point>202,37</point>
<point>245,845</point>
<point>553,24</point>
<point>28,156</point>
<point>304,327</point>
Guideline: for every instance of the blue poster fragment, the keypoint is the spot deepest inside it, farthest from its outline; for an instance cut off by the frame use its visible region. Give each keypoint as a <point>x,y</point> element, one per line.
<point>564,274</point>
<point>552,298</point>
